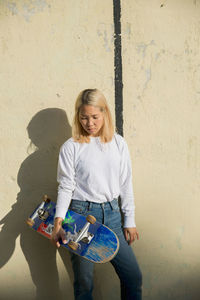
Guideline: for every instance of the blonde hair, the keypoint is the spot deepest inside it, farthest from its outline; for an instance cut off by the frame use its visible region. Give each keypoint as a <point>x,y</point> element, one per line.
<point>95,98</point>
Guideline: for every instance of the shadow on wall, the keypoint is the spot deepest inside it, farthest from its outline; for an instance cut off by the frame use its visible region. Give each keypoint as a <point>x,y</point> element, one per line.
<point>47,130</point>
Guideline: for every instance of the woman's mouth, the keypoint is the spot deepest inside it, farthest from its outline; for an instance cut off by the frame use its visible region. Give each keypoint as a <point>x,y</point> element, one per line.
<point>91,129</point>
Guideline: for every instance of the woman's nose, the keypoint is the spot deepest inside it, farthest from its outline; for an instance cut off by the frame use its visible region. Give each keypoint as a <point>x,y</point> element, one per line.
<point>90,122</point>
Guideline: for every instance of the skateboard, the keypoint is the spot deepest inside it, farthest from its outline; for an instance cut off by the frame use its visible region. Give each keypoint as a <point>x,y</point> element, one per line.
<point>85,237</point>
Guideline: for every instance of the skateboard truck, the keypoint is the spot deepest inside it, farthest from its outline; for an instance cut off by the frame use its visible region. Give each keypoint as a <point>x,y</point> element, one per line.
<point>83,234</point>
<point>40,212</point>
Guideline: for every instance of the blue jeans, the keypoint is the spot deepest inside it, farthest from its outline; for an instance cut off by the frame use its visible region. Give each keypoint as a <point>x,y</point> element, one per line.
<point>124,262</point>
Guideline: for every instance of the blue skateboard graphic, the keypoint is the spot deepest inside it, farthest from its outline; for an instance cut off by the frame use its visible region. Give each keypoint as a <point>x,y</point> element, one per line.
<point>85,236</point>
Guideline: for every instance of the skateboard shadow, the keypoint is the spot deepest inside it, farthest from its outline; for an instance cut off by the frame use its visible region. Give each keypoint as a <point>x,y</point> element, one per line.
<point>47,130</point>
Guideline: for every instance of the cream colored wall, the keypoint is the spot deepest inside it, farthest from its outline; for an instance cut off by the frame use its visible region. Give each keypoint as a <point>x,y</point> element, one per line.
<point>162,120</point>
<point>49,51</point>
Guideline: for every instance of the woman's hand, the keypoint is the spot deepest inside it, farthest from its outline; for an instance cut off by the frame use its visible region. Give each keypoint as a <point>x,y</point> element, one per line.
<point>58,233</point>
<point>131,234</point>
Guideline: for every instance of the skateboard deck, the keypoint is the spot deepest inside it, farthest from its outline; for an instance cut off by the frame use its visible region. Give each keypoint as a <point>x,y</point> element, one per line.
<point>85,237</point>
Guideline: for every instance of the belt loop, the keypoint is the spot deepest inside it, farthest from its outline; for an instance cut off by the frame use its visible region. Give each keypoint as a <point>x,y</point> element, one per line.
<point>90,205</point>
<point>113,203</point>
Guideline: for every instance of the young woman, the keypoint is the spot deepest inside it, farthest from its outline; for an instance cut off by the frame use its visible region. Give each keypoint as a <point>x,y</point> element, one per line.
<point>94,169</point>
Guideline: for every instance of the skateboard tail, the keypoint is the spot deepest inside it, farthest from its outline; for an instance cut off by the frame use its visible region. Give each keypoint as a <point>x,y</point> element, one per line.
<point>104,247</point>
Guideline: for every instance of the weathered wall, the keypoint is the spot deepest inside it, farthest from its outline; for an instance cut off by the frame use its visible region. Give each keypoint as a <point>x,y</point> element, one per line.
<point>162,120</point>
<point>49,51</point>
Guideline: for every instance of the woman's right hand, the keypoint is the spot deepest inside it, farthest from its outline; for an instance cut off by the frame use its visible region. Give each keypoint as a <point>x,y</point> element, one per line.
<point>58,233</point>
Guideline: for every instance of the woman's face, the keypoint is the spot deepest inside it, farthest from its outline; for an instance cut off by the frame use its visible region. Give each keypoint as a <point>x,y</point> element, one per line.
<point>91,119</point>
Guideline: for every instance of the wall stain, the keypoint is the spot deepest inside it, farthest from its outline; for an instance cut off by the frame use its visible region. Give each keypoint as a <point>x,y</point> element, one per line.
<point>142,47</point>
<point>27,8</point>
<point>146,63</point>
<point>148,77</point>
<point>102,32</point>
<point>128,30</point>
<point>12,7</point>
<point>163,4</point>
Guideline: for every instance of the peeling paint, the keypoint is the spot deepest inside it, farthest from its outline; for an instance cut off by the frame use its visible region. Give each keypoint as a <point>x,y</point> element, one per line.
<point>128,30</point>
<point>102,32</point>
<point>33,7</point>
<point>12,8</point>
<point>157,56</point>
<point>148,77</point>
<point>28,8</point>
<point>141,48</point>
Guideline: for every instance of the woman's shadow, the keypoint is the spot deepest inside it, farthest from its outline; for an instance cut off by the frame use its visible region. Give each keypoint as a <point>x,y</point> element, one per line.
<point>47,130</point>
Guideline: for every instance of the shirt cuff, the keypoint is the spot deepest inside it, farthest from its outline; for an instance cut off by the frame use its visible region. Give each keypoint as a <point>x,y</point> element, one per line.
<point>129,221</point>
<point>60,213</point>
<point>63,203</point>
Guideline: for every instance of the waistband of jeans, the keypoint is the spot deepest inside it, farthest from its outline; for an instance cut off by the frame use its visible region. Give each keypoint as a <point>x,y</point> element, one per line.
<point>91,204</point>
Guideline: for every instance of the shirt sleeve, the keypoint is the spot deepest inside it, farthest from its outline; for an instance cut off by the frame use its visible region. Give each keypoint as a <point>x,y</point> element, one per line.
<point>65,178</point>
<point>126,187</point>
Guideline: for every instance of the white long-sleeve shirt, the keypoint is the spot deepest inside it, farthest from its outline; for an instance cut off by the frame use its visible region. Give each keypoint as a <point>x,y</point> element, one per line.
<point>96,172</point>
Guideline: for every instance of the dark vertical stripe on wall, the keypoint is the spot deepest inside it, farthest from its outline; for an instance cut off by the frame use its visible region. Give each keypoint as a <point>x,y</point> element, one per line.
<point>118,66</point>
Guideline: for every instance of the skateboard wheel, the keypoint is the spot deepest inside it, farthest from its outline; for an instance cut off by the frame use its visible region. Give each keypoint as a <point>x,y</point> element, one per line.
<point>30,222</point>
<point>85,240</point>
<point>91,219</point>
<point>46,199</point>
<point>73,245</point>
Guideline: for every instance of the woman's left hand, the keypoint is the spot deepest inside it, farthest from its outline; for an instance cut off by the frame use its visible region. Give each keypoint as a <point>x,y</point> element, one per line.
<point>131,234</point>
